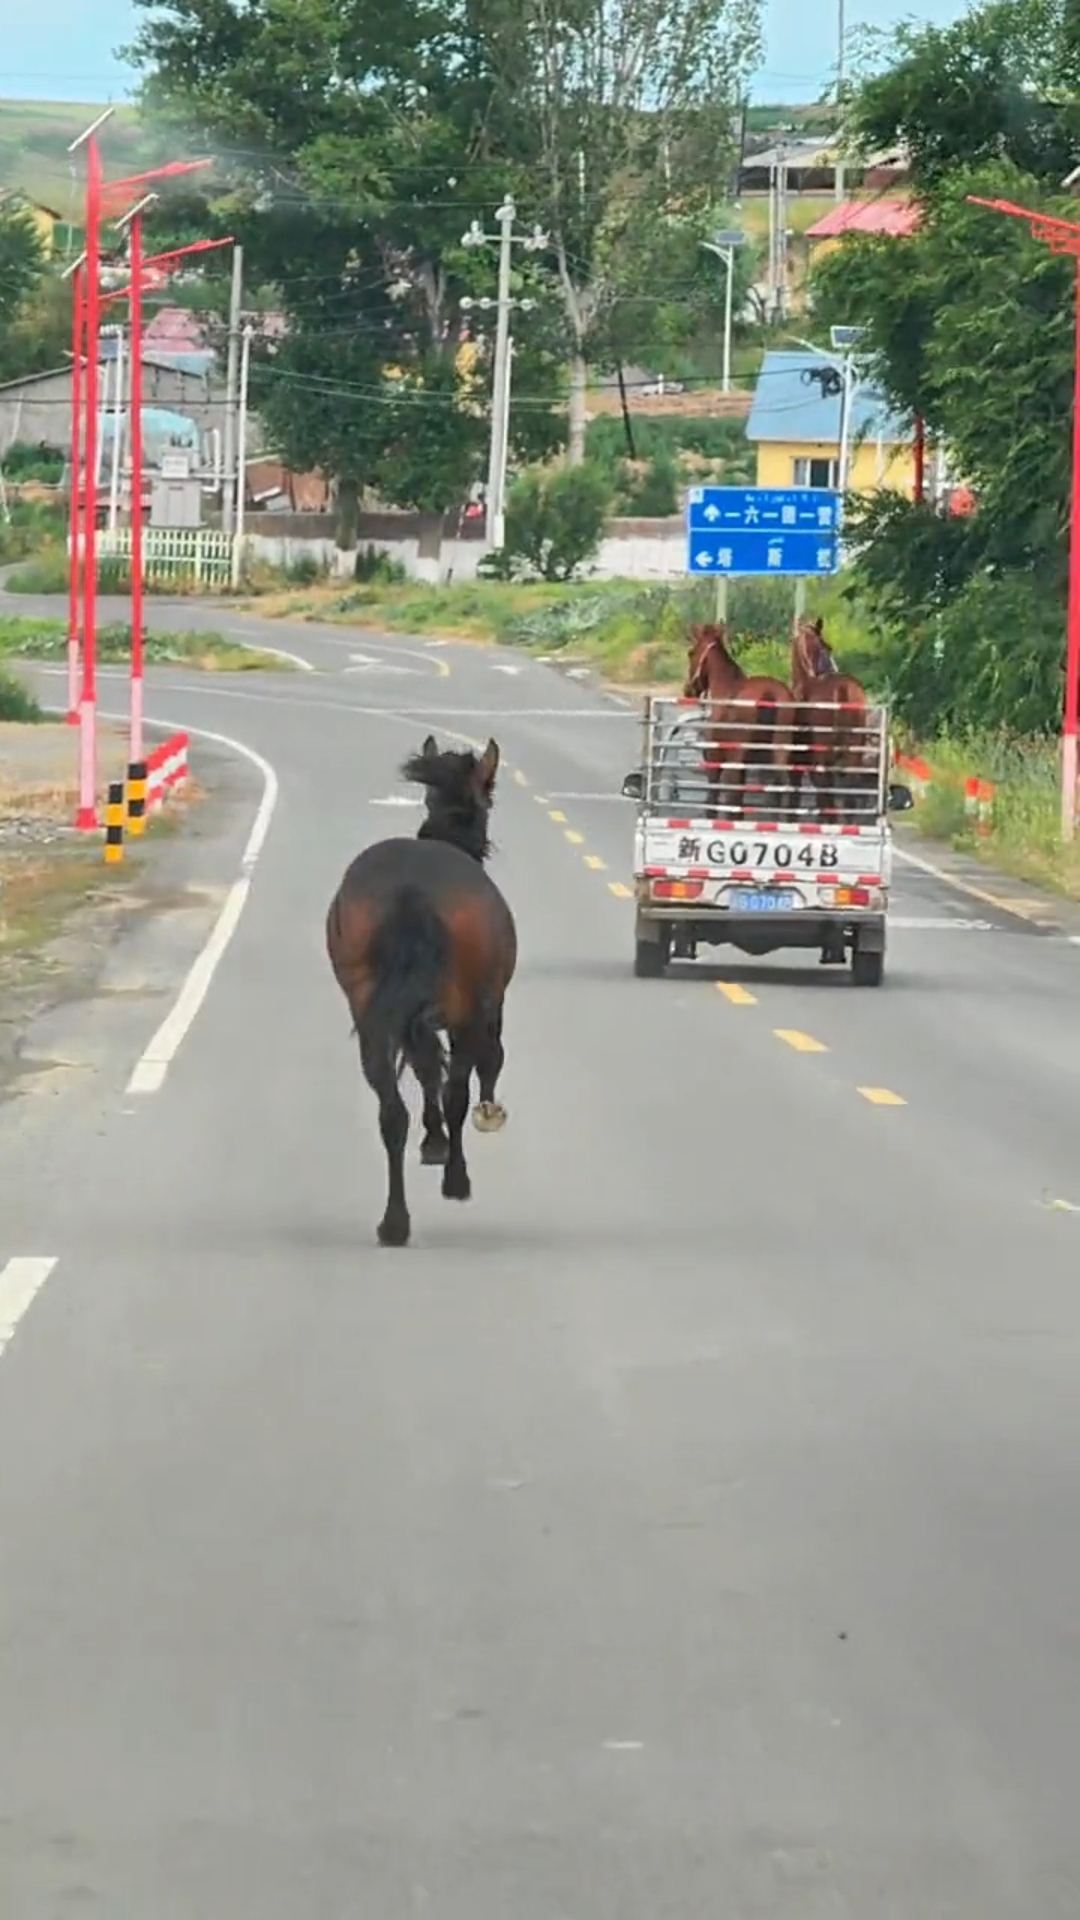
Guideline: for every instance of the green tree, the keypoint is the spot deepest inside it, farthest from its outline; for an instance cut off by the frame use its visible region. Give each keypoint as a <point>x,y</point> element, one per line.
<point>629,107</point>
<point>355,143</point>
<point>970,325</point>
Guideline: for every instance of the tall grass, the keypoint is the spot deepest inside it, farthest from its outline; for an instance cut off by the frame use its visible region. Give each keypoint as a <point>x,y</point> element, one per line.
<point>1024,836</point>
<point>16,702</point>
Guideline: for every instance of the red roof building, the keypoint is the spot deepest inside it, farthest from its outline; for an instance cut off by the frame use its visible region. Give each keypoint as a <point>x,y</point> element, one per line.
<point>887,214</point>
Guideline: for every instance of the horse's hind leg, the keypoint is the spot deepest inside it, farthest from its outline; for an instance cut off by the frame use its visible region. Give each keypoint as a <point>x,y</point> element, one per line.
<point>429,1069</point>
<point>394,1227</point>
<point>489,1114</point>
<point>455,1181</point>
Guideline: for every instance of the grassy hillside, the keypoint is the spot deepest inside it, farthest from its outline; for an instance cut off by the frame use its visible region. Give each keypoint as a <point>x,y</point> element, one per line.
<point>34,138</point>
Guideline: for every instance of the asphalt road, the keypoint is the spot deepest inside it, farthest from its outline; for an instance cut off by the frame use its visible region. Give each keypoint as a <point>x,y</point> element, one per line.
<point>687,1527</point>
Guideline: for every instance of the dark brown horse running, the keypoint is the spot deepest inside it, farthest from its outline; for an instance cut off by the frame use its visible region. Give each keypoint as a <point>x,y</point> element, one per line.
<point>834,752</point>
<point>751,718</point>
<point>422,943</point>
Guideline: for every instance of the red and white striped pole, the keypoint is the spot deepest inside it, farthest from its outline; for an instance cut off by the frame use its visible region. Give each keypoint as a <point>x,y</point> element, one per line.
<point>86,816</point>
<point>76,517</point>
<point>135,750</point>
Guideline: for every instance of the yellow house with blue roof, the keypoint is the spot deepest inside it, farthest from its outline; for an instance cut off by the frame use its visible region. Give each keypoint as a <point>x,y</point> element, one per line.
<point>795,430</point>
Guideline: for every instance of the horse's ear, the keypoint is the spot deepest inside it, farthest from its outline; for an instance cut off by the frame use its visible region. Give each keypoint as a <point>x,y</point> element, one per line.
<point>430,749</point>
<point>819,626</point>
<point>488,765</point>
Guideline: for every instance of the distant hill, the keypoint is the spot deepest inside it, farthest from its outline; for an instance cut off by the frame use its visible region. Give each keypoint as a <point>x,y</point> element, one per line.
<point>809,120</point>
<point>35,136</point>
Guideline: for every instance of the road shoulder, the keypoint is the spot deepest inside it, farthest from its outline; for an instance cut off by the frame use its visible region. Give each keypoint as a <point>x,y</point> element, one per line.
<point>95,953</point>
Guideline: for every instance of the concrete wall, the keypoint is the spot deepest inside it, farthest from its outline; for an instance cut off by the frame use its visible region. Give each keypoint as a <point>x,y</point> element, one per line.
<point>435,551</point>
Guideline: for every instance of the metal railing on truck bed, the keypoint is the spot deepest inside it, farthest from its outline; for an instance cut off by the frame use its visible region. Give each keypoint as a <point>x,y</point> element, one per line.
<point>740,762</point>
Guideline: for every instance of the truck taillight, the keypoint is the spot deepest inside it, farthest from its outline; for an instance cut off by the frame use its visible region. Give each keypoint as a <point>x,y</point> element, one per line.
<point>677,889</point>
<point>854,896</point>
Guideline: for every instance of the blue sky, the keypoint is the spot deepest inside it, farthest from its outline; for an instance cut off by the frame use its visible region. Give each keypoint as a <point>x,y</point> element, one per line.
<point>55,49</point>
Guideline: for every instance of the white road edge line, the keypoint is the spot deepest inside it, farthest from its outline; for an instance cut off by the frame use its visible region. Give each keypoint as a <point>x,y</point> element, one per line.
<point>149,1074</point>
<point>962,886</point>
<point>21,1280</point>
<point>282,653</point>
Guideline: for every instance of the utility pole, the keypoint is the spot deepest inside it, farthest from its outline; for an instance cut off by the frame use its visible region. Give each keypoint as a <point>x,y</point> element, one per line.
<point>232,369</point>
<point>241,488</point>
<point>500,392</point>
<point>533,242</point>
<point>838,171</point>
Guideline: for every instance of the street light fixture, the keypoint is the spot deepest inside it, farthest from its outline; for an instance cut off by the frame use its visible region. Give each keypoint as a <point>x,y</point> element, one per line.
<point>843,339</point>
<point>724,244</point>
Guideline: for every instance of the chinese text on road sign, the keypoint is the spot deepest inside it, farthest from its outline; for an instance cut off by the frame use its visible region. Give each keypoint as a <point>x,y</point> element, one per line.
<point>754,530</point>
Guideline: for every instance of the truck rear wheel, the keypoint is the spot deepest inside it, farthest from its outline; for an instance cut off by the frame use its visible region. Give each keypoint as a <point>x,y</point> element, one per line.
<point>651,956</point>
<point>867,969</point>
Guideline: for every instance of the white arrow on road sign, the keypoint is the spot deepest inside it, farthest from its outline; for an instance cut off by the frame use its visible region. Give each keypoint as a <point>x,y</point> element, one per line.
<point>712,513</point>
<point>703,559</point>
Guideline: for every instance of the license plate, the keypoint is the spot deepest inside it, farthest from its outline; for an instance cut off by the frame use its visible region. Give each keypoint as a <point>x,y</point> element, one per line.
<point>762,900</point>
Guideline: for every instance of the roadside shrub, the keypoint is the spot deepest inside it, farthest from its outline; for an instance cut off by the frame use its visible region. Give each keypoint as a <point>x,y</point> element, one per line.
<point>654,494</point>
<point>16,703</point>
<point>372,565</point>
<point>554,523</point>
<point>32,526</point>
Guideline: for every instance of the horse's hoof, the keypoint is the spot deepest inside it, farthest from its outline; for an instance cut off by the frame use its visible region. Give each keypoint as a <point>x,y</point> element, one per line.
<point>456,1184</point>
<point>433,1151</point>
<point>489,1116</point>
<point>393,1233</point>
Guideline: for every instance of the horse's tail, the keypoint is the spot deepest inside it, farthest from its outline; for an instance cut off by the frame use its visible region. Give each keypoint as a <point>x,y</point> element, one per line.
<point>409,954</point>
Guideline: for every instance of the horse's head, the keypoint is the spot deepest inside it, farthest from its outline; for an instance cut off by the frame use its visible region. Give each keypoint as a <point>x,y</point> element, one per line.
<point>460,794</point>
<point>814,652</point>
<point>702,642</point>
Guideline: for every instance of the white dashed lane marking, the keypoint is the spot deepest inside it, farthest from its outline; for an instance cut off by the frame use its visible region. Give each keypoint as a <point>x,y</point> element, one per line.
<point>20,1281</point>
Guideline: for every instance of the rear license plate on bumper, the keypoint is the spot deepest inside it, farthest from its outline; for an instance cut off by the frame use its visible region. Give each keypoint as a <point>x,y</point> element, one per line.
<point>764,900</point>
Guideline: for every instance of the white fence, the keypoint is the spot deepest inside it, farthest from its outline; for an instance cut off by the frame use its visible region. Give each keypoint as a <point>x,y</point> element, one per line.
<point>173,554</point>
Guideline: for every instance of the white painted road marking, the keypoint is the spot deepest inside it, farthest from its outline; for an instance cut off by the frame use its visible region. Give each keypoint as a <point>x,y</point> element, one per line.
<point>150,1072</point>
<point>912,924</point>
<point>20,1281</point>
<point>397,800</point>
<point>503,666</point>
<point>242,636</point>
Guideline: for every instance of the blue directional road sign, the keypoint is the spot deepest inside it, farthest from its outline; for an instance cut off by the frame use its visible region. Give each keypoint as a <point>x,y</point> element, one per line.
<point>756,530</point>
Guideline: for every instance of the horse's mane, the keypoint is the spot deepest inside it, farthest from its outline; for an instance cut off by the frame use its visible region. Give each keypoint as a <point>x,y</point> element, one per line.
<point>455,811</point>
<point>448,774</point>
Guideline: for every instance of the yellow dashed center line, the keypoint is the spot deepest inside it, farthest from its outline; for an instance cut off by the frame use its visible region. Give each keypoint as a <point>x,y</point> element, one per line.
<point>736,994</point>
<point>881,1097</point>
<point>802,1042</point>
<point>554,814</point>
<point>594,861</point>
<point>621,893</point>
<point>575,839</point>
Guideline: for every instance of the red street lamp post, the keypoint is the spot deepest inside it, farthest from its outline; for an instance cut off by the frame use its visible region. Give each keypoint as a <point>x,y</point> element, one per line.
<point>137,268</point>
<point>77,318</point>
<point>86,815</point>
<point>1063,236</point>
<point>100,200</point>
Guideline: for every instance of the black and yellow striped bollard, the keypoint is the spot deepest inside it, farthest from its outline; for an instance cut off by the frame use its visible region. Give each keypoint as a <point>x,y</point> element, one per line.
<point>136,797</point>
<point>114,822</point>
